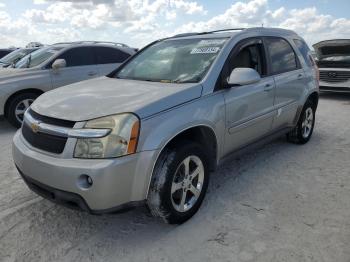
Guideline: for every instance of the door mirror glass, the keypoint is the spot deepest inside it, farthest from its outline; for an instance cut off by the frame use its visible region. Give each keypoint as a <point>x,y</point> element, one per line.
<point>243,76</point>
<point>59,63</point>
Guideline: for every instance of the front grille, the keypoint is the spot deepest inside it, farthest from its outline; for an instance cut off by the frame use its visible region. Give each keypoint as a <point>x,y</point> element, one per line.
<point>46,142</point>
<point>334,76</point>
<point>51,120</point>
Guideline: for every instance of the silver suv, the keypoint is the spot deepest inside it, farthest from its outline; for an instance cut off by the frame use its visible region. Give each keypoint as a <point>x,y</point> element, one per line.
<point>151,131</point>
<point>55,66</point>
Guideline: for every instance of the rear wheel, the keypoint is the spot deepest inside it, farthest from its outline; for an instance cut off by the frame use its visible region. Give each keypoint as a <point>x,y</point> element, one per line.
<point>17,107</point>
<point>302,133</point>
<point>179,183</point>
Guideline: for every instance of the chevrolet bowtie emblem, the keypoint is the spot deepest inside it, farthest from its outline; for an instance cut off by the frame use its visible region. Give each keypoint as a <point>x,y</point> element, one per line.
<point>35,127</point>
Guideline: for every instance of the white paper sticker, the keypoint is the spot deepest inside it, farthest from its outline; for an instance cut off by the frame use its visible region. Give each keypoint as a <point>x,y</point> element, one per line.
<point>205,50</point>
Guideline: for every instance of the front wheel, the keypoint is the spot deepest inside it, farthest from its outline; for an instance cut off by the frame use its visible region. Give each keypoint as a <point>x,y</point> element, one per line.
<point>302,133</point>
<point>179,183</point>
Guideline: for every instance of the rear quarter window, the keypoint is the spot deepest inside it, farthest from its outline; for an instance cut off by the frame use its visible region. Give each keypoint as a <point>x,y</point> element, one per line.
<point>106,55</point>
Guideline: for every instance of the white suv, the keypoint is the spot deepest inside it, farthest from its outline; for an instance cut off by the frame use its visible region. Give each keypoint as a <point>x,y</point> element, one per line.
<point>333,60</point>
<point>55,66</point>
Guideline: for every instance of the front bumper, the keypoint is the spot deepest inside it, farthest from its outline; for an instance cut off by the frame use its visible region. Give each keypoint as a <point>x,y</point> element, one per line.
<point>117,182</point>
<point>333,88</point>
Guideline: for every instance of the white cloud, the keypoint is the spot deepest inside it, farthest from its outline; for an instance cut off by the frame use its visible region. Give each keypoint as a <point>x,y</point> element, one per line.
<point>140,21</point>
<point>307,22</point>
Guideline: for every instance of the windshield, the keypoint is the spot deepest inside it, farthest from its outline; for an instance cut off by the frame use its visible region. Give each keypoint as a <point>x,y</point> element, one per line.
<point>37,57</point>
<point>174,61</point>
<point>15,56</point>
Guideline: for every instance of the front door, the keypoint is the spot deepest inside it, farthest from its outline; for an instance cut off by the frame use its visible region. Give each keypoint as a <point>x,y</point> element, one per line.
<point>249,108</point>
<point>80,65</point>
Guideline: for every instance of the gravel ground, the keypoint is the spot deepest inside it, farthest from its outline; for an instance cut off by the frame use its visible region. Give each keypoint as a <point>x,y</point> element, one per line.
<point>282,202</point>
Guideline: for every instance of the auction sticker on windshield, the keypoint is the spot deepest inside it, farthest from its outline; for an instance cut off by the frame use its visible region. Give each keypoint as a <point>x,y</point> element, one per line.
<point>205,50</point>
<point>212,42</point>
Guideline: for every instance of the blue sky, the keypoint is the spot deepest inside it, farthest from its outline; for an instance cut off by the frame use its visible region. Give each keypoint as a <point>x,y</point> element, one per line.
<point>337,8</point>
<point>137,22</point>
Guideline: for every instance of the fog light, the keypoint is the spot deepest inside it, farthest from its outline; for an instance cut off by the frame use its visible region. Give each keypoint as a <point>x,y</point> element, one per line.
<point>84,182</point>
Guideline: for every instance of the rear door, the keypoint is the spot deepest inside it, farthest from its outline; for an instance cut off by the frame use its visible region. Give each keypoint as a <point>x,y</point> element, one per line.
<point>80,66</point>
<point>249,108</point>
<point>109,58</point>
<point>289,79</point>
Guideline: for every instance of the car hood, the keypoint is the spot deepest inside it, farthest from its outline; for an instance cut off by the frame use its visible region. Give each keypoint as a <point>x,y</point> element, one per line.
<point>337,47</point>
<point>106,96</point>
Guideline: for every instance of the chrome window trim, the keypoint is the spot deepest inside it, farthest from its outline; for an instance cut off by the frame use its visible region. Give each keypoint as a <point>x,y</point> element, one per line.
<point>49,129</point>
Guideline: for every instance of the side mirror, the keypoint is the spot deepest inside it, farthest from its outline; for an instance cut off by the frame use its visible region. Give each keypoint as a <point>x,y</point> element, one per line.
<point>243,76</point>
<point>59,63</point>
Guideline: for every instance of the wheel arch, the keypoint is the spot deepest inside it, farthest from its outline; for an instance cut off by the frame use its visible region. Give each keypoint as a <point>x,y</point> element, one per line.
<point>203,131</point>
<point>314,97</point>
<point>23,91</point>
<point>202,134</point>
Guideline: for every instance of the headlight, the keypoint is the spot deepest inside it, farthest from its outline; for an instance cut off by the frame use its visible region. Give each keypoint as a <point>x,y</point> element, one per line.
<point>121,141</point>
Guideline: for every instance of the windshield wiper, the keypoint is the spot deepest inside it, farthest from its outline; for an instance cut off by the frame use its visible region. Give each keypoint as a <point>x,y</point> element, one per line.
<point>138,79</point>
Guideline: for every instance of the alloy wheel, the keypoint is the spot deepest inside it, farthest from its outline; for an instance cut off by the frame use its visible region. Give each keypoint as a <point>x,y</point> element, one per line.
<point>307,124</point>
<point>187,183</point>
<point>21,108</point>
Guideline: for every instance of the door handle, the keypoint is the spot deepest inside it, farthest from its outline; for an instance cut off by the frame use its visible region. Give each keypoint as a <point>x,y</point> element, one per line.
<point>92,73</point>
<point>300,76</point>
<point>268,87</point>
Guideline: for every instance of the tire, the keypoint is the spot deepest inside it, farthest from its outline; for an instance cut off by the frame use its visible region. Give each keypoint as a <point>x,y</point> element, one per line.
<point>170,174</point>
<point>302,133</point>
<point>19,103</point>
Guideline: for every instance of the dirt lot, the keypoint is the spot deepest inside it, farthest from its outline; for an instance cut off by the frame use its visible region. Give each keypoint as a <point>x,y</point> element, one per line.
<point>280,203</point>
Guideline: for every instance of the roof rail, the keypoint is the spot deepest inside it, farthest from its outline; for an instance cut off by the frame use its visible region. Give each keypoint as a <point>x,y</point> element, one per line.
<point>208,32</point>
<point>188,34</point>
<point>226,30</point>
<point>92,42</point>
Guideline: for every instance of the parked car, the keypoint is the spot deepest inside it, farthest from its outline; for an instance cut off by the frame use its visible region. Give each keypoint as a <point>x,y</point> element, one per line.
<point>334,64</point>
<point>12,58</point>
<point>6,51</point>
<point>151,131</point>
<point>34,45</point>
<point>55,66</point>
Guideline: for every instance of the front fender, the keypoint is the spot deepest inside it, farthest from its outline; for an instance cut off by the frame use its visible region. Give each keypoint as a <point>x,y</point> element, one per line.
<point>158,130</point>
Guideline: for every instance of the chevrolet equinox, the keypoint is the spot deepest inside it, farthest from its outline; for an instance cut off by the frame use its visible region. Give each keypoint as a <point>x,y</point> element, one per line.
<point>152,130</point>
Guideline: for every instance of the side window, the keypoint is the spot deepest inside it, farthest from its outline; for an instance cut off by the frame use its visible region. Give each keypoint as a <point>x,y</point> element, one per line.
<point>107,55</point>
<point>305,51</point>
<point>79,56</point>
<point>282,56</point>
<point>250,56</point>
